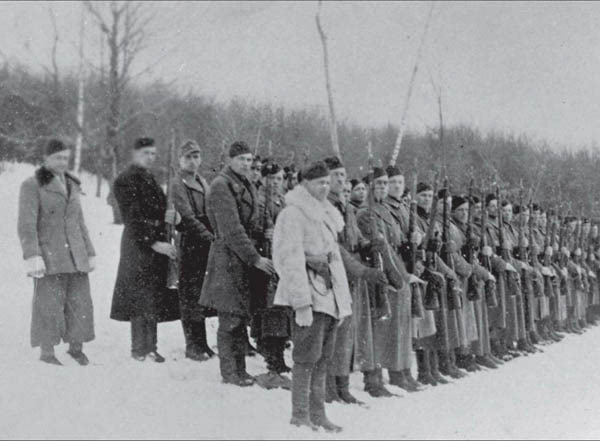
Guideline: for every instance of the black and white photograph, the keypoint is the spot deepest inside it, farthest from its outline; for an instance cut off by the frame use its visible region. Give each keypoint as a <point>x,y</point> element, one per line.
<point>299,220</point>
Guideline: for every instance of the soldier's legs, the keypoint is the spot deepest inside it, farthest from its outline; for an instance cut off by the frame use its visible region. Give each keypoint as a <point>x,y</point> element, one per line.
<point>339,365</point>
<point>79,310</point>
<point>231,342</point>
<point>138,336</point>
<point>151,333</point>
<point>313,347</point>
<point>48,324</point>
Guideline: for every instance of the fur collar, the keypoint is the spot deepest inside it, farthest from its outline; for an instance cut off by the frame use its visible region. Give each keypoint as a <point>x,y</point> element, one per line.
<point>314,209</point>
<point>45,176</point>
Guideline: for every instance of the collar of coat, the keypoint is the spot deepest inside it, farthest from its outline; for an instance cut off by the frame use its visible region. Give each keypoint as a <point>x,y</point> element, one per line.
<point>194,181</point>
<point>45,176</point>
<point>335,200</point>
<point>314,209</point>
<point>238,180</point>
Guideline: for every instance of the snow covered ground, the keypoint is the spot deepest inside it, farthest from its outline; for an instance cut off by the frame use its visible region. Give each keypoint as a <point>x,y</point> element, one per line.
<point>551,395</point>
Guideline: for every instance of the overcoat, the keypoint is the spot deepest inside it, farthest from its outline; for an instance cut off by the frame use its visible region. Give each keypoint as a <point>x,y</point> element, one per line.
<point>232,210</point>
<point>51,223</point>
<point>140,288</point>
<point>190,192</point>
<point>392,339</point>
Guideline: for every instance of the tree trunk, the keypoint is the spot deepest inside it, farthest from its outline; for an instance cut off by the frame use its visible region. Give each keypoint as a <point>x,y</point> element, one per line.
<point>80,104</point>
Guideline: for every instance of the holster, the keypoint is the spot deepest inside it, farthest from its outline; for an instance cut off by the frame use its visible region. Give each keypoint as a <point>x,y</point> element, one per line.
<point>434,288</point>
<point>454,295</point>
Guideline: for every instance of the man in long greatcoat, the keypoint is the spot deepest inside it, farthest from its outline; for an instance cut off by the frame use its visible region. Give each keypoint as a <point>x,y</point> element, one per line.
<point>190,191</point>
<point>141,296</point>
<point>59,255</point>
<point>232,210</point>
<point>349,331</point>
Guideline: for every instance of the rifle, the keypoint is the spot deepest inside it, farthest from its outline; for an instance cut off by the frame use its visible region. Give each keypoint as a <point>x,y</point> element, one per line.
<point>472,291</point>
<point>265,246</point>
<point>454,298</point>
<point>418,304</point>
<point>378,299</point>
<point>173,274</point>
<point>490,286</point>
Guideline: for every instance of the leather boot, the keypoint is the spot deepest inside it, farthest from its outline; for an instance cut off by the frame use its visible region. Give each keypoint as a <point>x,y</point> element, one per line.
<point>343,389</point>
<point>317,398</point>
<point>435,371</point>
<point>372,386</point>
<point>455,372</point>
<point>397,379</point>
<point>200,338</point>
<point>424,368</point>
<point>487,362</point>
<point>301,379</point>
<point>331,393</point>
<point>410,379</point>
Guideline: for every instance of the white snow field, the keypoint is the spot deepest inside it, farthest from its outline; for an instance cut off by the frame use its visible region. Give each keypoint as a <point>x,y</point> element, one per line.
<point>555,394</point>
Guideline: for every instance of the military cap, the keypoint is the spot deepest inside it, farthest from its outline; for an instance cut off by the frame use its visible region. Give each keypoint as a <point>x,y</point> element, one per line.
<point>423,186</point>
<point>238,148</point>
<point>489,198</point>
<point>393,171</point>
<point>315,170</point>
<point>270,168</point>
<point>53,146</point>
<point>333,163</point>
<point>189,146</point>
<point>457,201</point>
<point>143,142</point>
<point>378,172</point>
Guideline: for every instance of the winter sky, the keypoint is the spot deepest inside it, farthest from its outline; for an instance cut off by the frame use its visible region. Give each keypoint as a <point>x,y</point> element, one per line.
<point>527,67</point>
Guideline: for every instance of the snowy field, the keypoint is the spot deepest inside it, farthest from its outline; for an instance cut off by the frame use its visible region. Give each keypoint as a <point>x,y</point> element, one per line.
<point>555,394</point>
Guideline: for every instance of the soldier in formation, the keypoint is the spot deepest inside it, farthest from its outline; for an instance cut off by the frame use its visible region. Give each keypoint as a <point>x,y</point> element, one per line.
<point>360,275</point>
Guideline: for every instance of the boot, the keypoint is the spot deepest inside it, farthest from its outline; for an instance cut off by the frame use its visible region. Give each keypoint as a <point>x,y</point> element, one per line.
<point>424,368</point>
<point>534,337</point>
<point>331,393</point>
<point>76,351</point>
<point>156,357</point>
<point>435,371</point>
<point>465,362</point>
<point>455,372</point>
<point>410,379</point>
<point>372,386</point>
<point>487,362</point>
<point>272,380</point>
<point>47,355</point>
<point>199,330</point>
<point>317,398</point>
<point>343,390</point>
<point>301,379</point>
<point>227,359</point>
<point>397,379</point>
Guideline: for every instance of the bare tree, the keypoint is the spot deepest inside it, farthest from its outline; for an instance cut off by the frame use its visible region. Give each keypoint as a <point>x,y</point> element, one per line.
<point>124,28</point>
<point>80,100</point>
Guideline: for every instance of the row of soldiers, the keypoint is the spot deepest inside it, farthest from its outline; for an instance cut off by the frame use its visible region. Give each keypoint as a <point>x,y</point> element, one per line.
<point>360,275</point>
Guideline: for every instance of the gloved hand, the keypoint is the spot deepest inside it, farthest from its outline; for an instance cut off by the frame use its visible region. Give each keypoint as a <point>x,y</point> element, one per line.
<point>375,276</point>
<point>486,251</point>
<point>416,238</point>
<point>92,263</point>
<point>546,271</point>
<point>304,316</point>
<point>510,268</point>
<point>35,267</point>
<point>414,279</point>
<point>549,251</point>
<point>565,251</point>
<point>172,217</point>
<point>491,277</point>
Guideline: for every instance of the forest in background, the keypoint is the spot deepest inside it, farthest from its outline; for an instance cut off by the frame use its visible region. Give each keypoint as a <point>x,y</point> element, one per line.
<point>118,109</point>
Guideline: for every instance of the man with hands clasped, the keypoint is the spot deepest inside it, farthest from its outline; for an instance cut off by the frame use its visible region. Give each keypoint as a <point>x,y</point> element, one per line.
<point>143,268</point>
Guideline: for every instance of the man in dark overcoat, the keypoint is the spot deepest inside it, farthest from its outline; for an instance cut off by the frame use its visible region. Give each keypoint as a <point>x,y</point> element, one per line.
<point>59,255</point>
<point>140,289</point>
<point>232,212</point>
<point>190,191</point>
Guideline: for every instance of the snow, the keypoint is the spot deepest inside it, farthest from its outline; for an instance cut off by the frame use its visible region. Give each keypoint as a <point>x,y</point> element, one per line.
<point>552,395</point>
